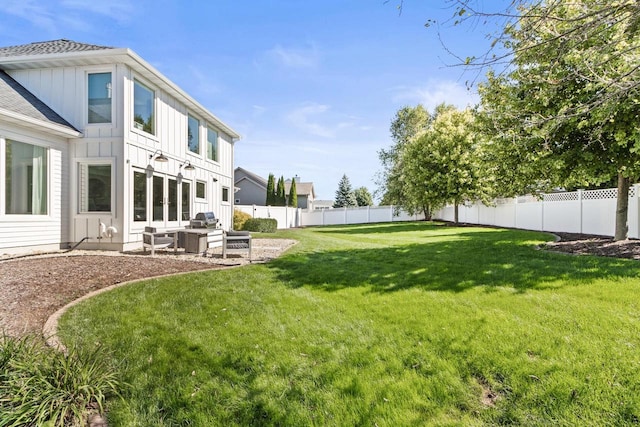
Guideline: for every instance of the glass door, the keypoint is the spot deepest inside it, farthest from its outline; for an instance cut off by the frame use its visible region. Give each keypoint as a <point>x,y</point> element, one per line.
<point>165,201</point>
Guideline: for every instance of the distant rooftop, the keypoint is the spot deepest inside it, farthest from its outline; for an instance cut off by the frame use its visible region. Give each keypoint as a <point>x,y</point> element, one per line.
<point>49,47</point>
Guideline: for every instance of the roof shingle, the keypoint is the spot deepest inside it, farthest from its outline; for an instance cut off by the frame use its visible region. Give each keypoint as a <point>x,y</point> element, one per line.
<point>15,98</point>
<point>49,47</point>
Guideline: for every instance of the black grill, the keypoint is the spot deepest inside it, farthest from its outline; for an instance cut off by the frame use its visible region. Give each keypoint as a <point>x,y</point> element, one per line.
<point>204,220</point>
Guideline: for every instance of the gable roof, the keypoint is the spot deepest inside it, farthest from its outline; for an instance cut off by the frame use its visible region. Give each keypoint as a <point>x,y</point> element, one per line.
<point>49,47</point>
<point>17,104</point>
<point>302,188</point>
<point>250,175</point>
<point>68,53</point>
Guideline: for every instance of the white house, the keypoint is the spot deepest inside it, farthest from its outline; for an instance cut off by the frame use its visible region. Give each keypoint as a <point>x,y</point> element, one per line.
<point>96,144</point>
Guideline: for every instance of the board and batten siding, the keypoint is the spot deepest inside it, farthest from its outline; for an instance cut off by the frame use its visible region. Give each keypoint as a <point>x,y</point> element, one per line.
<point>64,90</point>
<point>23,233</point>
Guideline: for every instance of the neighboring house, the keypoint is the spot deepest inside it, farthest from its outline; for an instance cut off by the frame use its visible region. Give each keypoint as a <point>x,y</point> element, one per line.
<point>96,144</point>
<point>251,189</point>
<point>304,190</point>
<point>322,204</point>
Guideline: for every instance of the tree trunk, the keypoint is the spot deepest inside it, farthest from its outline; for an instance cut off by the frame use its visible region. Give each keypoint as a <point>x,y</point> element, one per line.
<point>622,208</point>
<point>427,212</point>
<point>455,212</point>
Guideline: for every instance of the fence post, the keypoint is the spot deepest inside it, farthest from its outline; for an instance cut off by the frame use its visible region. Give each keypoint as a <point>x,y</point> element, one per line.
<point>542,198</point>
<point>580,208</point>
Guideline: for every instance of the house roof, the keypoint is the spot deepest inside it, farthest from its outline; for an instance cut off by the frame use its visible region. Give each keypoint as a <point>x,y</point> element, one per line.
<point>302,188</point>
<point>252,176</point>
<point>49,47</point>
<point>68,53</point>
<point>18,105</point>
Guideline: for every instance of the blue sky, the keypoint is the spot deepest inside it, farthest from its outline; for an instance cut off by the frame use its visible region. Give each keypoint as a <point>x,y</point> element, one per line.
<point>311,85</point>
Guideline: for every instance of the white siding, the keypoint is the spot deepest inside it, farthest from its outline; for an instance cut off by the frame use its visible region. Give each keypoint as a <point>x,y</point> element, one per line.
<point>44,232</point>
<point>64,89</point>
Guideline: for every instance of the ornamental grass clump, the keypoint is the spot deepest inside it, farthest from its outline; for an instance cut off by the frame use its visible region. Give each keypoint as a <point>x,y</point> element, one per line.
<point>41,386</point>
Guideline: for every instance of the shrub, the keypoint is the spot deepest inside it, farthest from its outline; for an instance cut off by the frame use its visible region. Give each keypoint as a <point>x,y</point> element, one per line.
<point>239,218</point>
<point>263,225</point>
<point>41,386</point>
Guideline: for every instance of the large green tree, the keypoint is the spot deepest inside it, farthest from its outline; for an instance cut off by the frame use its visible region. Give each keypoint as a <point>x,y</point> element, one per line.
<point>565,112</point>
<point>363,196</point>
<point>344,194</point>
<point>444,165</point>
<point>408,124</point>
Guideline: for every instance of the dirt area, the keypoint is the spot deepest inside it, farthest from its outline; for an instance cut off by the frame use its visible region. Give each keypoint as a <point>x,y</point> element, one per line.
<point>582,244</point>
<point>34,287</point>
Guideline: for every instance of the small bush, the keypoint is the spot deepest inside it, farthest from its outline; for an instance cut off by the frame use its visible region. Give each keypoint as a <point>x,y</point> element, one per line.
<point>239,218</point>
<point>263,225</point>
<point>41,386</point>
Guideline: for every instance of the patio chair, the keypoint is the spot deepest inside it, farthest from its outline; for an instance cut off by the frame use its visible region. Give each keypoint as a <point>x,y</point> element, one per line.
<point>153,239</point>
<point>236,241</point>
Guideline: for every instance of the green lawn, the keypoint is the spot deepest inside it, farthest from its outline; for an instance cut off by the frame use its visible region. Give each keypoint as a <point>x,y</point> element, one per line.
<point>387,325</point>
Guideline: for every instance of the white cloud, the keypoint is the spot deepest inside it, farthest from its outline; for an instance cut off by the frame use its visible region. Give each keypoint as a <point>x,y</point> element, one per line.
<point>55,18</point>
<point>434,93</point>
<point>305,118</point>
<point>32,11</point>
<point>295,57</point>
<point>118,10</point>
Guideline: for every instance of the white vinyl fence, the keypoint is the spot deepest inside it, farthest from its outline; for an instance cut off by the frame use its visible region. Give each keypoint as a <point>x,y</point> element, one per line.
<point>582,211</point>
<point>292,217</point>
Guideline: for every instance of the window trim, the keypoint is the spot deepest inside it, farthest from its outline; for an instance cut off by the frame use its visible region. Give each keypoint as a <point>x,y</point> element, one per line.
<point>189,151</point>
<point>131,195</point>
<point>3,182</point>
<point>86,96</point>
<point>222,191</point>
<point>101,161</point>
<point>217,154</point>
<point>204,183</point>
<point>149,87</point>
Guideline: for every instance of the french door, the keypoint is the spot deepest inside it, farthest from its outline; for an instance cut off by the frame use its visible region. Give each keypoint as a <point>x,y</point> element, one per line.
<point>160,200</point>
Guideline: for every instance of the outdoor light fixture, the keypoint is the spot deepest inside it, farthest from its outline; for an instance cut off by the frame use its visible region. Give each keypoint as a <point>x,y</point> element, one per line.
<point>187,166</point>
<point>160,157</point>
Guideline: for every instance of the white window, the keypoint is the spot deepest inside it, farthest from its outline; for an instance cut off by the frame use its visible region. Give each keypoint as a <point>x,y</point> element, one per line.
<point>212,144</point>
<point>95,189</point>
<point>139,196</point>
<point>143,108</point>
<point>186,200</point>
<point>201,190</point>
<point>193,134</point>
<point>225,194</point>
<point>99,98</point>
<point>26,183</point>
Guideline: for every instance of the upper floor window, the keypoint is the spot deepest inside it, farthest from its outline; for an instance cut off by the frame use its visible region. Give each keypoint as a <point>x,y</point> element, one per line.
<point>95,187</point>
<point>143,107</point>
<point>212,144</point>
<point>193,134</point>
<point>25,179</point>
<point>99,93</point>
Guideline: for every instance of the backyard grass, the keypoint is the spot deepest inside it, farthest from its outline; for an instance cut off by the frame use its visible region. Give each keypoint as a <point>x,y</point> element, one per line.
<point>379,325</point>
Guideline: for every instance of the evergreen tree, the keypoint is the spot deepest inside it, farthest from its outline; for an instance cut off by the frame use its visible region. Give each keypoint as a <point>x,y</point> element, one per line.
<point>271,191</point>
<point>293,194</point>
<point>344,195</point>
<point>280,194</point>
<point>363,197</point>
